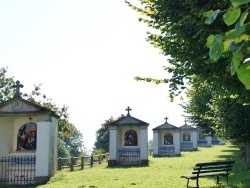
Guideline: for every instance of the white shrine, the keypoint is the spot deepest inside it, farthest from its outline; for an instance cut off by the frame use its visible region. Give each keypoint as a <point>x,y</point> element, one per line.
<point>217,141</point>
<point>166,140</point>
<point>128,141</point>
<point>189,138</point>
<point>28,138</point>
<point>204,140</point>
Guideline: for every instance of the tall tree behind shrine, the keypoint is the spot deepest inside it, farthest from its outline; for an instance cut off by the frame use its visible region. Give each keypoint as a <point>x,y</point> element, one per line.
<point>178,30</point>
<point>70,138</point>
<point>101,144</point>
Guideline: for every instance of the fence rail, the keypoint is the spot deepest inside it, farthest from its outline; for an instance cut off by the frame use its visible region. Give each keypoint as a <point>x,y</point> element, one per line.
<point>81,162</point>
<point>17,170</point>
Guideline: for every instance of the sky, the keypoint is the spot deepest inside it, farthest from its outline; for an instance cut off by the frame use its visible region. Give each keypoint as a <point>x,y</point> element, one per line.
<point>85,54</point>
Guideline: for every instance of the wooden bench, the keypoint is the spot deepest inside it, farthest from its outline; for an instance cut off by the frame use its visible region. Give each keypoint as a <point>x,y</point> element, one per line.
<point>209,169</point>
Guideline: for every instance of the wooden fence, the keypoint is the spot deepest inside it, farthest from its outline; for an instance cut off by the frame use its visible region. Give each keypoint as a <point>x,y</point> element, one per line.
<point>81,162</point>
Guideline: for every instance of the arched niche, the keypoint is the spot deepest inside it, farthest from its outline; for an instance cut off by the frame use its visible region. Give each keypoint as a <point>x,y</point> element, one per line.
<point>186,137</point>
<point>168,139</point>
<point>27,137</point>
<point>130,138</point>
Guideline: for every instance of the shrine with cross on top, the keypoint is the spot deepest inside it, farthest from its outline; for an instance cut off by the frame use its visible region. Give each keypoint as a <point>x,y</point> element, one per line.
<point>28,139</point>
<point>128,141</point>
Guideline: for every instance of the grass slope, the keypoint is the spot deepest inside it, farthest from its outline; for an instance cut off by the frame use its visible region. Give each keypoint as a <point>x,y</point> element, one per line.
<point>161,172</point>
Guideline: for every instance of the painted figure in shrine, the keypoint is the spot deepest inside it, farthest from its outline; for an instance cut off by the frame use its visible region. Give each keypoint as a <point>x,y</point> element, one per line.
<point>26,138</point>
<point>130,138</point>
<point>186,136</point>
<point>168,139</point>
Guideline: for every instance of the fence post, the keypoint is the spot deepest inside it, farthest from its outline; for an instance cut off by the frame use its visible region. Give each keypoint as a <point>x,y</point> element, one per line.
<point>99,158</point>
<point>59,167</point>
<point>71,164</point>
<point>91,160</point>
<point>82,162</point>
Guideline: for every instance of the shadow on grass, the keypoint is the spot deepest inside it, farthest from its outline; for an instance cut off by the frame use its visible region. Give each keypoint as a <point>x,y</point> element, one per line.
<point>239,176</point>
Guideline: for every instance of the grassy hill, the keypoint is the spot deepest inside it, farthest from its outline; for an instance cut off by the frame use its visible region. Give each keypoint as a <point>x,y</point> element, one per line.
<point>160,173</point>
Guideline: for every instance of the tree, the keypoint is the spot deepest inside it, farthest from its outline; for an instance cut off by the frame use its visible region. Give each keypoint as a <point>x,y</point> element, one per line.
<point>235,41</point>
<point>179,30</point>
<point>70,138</point>
<point>6,89</point>
<point>102,136</point>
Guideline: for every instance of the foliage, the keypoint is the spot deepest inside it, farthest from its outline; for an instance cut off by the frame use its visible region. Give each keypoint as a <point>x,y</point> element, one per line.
<point>161,172</point>
<point>102,136</point>
<point>68,133</point>
<point>234,42</point>
<point>6,89</point>
<point>180,30</point>
<point>63,151</point>
<point>150,144</point>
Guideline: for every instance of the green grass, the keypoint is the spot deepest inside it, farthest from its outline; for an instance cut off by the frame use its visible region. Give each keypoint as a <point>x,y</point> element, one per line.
<point>161,172</point>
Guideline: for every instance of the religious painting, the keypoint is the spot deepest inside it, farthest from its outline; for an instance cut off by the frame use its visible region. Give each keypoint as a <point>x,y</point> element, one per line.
<point>130,138</point>
<point>186,136</point>
<point>26,137</point>
<point>168,139</point>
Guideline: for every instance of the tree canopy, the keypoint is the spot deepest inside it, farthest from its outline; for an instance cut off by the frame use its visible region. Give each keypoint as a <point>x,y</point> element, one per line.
<point>101,144</point>
<point>70,138</point>
<point>235,41</point>
<point>180,30</point>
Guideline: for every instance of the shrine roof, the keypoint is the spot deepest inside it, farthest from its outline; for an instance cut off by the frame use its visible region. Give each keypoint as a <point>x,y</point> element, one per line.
<point>128,120</point>
<point>165,126</point>
<point>186,127</point>
<point>18,105</point>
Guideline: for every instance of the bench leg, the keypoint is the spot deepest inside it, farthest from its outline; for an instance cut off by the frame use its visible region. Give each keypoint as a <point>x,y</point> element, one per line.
<point>197,182</point>
<point>187,182</point>
<point>218,180</point>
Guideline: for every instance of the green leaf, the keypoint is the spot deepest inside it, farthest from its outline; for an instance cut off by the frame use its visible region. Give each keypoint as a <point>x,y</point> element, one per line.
<point>226,44</point>
<point>239,27</point>
<point>237,3</point>
<point>243,18</point>
<point>231,16</point>
<point>236,32</point>
<point>210,40</point>
<point>244,76</point>
<point>211,17</point>
<point>216,48</point>
<point>236,61</point>
<point>235,47</point>
<point>241,38</point>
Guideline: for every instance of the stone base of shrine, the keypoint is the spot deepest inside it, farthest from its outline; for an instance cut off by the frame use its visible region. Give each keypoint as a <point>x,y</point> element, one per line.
<point>112,162</point>
<point>41,179</point>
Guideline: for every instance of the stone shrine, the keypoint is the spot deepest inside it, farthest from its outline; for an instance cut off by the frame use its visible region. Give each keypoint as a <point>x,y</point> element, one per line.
<point>217,141</point>
<point>188,138</point>
<point>166,140</point>
<point>204,140</point>
<point>128,141</point>
<point>27,131</point>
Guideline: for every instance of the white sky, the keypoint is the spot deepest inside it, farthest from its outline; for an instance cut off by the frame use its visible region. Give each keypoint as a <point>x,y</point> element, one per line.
<point>86,54</point>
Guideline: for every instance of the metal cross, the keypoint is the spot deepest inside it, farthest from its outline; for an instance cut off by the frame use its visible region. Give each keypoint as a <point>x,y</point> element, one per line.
<point>166,118</point>
<point>128,109</point>
<point>17,86</point>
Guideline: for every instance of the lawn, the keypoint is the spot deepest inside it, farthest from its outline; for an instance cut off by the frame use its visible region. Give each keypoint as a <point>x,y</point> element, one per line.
<point>161,172</point>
